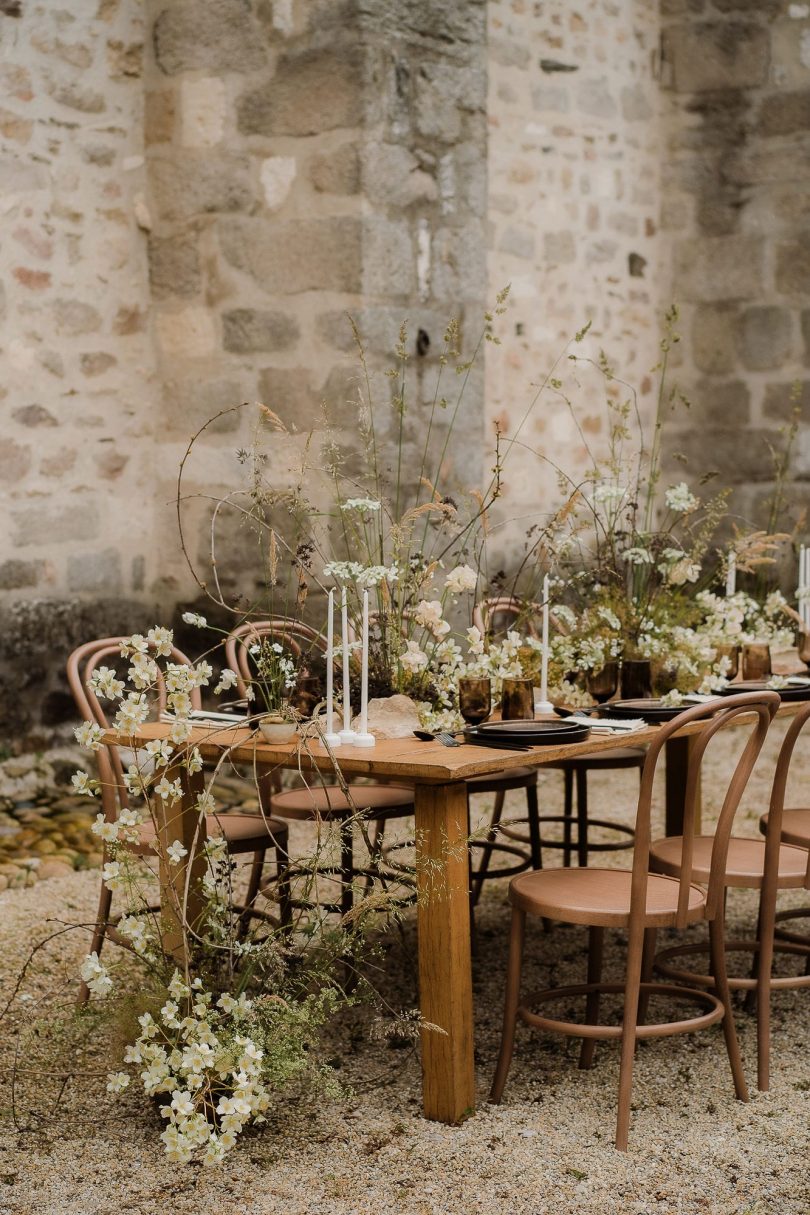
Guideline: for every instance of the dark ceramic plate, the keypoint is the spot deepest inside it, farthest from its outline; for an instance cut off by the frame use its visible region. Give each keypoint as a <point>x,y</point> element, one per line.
<point>750,685</point>
<point>651,711</point>
<point>533,733</point>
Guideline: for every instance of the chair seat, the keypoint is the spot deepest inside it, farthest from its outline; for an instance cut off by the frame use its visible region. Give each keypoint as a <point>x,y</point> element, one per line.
<point>515,778</point>
<point>599,897</point>
<point>795,826</point>
<point>242,832</point>
<point>622,757</point>
<point>330,802</point>
<point>744,866</point>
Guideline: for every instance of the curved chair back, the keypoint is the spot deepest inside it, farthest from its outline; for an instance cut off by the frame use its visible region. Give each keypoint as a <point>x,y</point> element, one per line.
<point>777,805</point>
<point>500,614</point>
<point>81,664</point>
<point>760,707</point>
<point>294,635</point>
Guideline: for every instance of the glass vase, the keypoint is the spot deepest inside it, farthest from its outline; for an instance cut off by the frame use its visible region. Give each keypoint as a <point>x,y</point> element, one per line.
<point>636,679</point>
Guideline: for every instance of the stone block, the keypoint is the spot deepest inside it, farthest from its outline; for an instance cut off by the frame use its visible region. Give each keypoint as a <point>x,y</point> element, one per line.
<point>443,93</point>
<point>174,265</point>
<point>19,575</point>
<point>763,336</point>
<point>203,106</point>
<point>248,330</point>
<point>458,267</point>
<point>389,264</point>
<point>96,362</point>
<point>189,404</point>
<point>311,92</point>
<point>53,523</point>
<point>110,462</point>
<point>336,172</point>
<point>806,336</point>
<point>793,266</point>
<point>719,450</point>
<point>712,333</point>
<point>559,247</point>
<point>595,98</point>
<point>717,55</point>
<point>124,59</point>
<point>789,53</point>
<point>213,35</point>
<point>277,175</point>
<point>288,391</point>
<point>189,185</point>
<point>783,400</point>
<point>34,415</point>
<point>550,97</point>
<point>95,573</point>
<point>718,268</point>
<point>785,113</point>
<point>637,103</point>
<point>297,255</point>
<point>74,318</point>
<point>519,242</point>
<point>76,96</point>
<point>392,176</point>
<point>718,403</point>
<point>189,333</point>
<point>754,166</point>
<point>159,116</point>
<point>509,53</point>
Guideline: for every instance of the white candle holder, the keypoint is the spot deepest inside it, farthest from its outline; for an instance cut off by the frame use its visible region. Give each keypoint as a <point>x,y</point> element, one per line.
<point>364,740</point>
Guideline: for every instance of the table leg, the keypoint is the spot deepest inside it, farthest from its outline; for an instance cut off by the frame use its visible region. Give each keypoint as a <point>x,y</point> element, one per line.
<point>181,895</point>
<point>445,970</point>
<point>678,752</point>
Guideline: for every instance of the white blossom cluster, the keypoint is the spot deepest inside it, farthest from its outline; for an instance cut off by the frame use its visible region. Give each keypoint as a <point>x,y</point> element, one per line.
<point>739,620</point>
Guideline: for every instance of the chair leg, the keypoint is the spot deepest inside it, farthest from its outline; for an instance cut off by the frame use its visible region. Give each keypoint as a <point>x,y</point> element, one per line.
<point>346,866</point>
<point>582,817</point>
<point>767,923</point>
<point>480,874</point>
<point>99,933</point>
<point>283,882</point>
<point>254,882</point>
<point>647,962</point>
<point>596,940</point>
<point>516,937</point>
<point>720,976</point>
<point>635,949</point>
<point>568,811</point>
<point>533,813</point>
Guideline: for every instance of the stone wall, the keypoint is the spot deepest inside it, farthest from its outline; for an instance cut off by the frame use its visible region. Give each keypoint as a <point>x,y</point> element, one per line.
<point>78,372</point>
<point>574,168</point>
<point>736,214</point>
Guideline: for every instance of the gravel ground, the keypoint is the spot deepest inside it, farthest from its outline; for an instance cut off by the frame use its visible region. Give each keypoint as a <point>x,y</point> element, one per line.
<point>548,1148</point>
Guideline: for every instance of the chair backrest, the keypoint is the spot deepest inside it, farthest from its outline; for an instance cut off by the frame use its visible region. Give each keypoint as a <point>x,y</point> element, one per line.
<point>760,707</point>
<point>81,664</point>
<point>294,635</point>
<point>502,613</point>
<point>777,805</point>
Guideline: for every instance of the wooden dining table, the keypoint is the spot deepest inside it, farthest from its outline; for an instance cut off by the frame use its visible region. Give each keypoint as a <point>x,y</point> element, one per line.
<point>438,775</point>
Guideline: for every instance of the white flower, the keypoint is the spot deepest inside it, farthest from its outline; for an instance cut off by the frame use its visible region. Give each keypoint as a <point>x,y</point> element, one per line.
<point>104,829</point>
<point>104,682</point>
<point>180,731</point>
<point>372,575</point>
<point>194,763</point>
<point>475,640</point>
<point>176,851</point>
<point>169,1013</point>
<point>177,989</point>
<point>117,1082</point>
<point>160,751</point>
<point>95,975</point>
<point>361,504</point>
<point>196,619</point>
<point>132,713</point>
<point>133,929</point>
<point>161,640</point>
<point>683,571</point>
<point>637,556</point>
<point>429,615</point>
<point>342,571</point>
<point>136,644</point>
<point>83,784</point>
<point>89,734</point>
<point>227,679</point>
<point>169,790</point>
<point>201,674</point>
<point>609,493</point>
<point>182,1103</point>
<point>112,875</point>
<point>206,802</point>
<point>681,499</point>
<point>143,672</point>
<point>413,658</point>
<point>462,578</point>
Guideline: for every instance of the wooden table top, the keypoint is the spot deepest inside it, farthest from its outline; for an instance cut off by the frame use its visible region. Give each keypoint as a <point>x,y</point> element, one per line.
<point>407,758</point>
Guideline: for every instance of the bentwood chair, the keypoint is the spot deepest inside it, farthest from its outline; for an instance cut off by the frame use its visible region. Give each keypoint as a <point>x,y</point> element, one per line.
<point>778,862</point>
<point>498,615</point>
<point>638,901</point>
<point>375,803</point>
<point>242,833</point>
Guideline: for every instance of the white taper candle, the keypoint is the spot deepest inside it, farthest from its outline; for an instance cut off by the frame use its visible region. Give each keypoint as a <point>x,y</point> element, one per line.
<point>544,705</point>
<point>731,573</point>
<point>330,737</point>
<point>347,733</point>
<point>363,738</point>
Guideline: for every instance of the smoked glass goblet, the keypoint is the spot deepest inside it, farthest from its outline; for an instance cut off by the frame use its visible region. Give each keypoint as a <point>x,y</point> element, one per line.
<point>474,699</point>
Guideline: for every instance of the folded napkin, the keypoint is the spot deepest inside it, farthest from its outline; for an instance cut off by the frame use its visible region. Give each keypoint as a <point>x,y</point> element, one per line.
<point>798,681</point>
<point>700,698</point>
<point>609,725</point>
<point>203,715</point>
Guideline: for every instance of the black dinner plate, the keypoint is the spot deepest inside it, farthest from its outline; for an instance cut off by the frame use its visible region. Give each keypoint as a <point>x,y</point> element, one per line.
<point>751,685</point>
<point>650,710</point>
<point>534,733</point>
